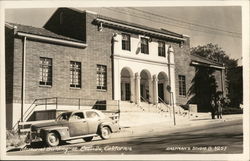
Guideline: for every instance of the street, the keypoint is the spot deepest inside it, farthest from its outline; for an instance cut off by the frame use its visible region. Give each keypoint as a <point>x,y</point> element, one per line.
<point>215,138</point>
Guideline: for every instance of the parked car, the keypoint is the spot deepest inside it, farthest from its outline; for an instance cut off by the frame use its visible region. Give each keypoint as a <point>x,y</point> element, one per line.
<point>71,125</point>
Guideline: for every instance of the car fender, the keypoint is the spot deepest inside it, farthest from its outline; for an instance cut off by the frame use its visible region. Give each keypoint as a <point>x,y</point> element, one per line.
<point>108,124</point>
<point>62,131</point>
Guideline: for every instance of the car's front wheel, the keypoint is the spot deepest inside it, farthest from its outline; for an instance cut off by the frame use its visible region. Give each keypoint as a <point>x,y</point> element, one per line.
<point>105,133</point>
<point>52,139</point>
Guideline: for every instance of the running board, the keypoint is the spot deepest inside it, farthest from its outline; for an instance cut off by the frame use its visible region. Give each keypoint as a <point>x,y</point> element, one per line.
<point>82,136</point>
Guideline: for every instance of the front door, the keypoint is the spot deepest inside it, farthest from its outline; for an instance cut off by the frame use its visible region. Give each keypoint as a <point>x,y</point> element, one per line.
<point>161,91</point>
<point>142,91</point>
<point>78,125</point>
<point>127,91</point>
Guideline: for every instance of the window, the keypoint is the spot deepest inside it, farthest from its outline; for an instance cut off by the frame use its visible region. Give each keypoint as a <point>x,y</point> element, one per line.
<point>101,77</point>
<point>125,42</point>
<point>182,85</point>
<point>45,73</point>
<point>91,114</point>
<point>144,45</point>
<point>161,49</point>
<point>75,74</point>
<point>77,116</point>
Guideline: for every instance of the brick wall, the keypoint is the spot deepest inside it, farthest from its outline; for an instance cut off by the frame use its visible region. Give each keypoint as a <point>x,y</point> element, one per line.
<point>182,67</point>
<point>97,52</point>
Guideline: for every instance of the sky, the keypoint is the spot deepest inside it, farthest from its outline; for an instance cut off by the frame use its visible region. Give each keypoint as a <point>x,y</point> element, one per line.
<point>220,25</point>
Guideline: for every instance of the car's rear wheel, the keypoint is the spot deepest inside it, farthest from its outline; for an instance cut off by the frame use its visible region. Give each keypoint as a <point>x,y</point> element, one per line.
<point>88,139</point>
<point>105,133</point>
<point>52,139</point>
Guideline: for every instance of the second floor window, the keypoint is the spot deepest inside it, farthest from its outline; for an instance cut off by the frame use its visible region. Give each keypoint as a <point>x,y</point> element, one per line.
<point>161,49</point>
<point>101,77</point>
<point>182,85</point>
<point>144,46</point>
<point>75,74</point>
<point>125,42</point>
<point>45,71</point>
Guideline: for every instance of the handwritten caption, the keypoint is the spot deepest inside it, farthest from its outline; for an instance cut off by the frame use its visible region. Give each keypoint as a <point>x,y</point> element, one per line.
<point>197,148</point>
<point>83,149</point>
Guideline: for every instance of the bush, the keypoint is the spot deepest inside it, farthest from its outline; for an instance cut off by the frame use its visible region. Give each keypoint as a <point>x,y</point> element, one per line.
<point>231,110</point>
<point>13,139</point>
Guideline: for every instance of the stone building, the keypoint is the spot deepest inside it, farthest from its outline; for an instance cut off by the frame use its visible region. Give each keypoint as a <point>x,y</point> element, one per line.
<point>85,56</point>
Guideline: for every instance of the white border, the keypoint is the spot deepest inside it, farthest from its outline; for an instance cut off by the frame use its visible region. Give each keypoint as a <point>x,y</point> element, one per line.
<point>75,3</point>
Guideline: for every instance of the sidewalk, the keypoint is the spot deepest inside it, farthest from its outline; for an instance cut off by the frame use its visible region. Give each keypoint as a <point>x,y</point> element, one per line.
<point>137,130</point>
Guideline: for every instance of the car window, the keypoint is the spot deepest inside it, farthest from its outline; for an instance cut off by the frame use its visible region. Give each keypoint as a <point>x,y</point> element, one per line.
<point>64,116</point>
<point>92,114</point>
<point>77,116</point>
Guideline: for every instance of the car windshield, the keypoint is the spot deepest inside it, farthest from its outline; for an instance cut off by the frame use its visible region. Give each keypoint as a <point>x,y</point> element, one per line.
<point>64,116</point>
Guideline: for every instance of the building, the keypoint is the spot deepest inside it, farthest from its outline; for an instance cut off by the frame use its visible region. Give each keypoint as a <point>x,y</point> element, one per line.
<point>80,55</point>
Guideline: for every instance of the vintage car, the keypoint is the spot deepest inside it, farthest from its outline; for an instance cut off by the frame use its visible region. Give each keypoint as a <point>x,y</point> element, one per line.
<point>71,125</point>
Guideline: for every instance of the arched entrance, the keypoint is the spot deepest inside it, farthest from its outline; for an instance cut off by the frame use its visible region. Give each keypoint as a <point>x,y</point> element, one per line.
<point>163,94</point>
<point>126,84</point>
<point>145,86</point>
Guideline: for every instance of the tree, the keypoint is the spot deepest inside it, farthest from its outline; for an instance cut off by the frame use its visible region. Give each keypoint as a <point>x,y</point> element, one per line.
<point>217,54</point>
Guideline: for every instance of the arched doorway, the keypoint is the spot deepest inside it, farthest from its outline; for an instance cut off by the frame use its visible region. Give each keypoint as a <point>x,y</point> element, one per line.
<point>163,94</point>
<point>145,86</point>
<point>126,84</point>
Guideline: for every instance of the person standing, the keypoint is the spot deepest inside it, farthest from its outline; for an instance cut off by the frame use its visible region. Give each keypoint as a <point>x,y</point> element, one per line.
<point>213,108</point>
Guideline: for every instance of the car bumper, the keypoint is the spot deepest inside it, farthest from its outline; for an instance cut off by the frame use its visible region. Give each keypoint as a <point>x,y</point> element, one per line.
<point>34,137</point>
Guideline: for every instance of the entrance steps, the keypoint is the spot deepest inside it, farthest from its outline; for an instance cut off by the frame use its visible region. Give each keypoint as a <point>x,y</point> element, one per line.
<point>130,119</point>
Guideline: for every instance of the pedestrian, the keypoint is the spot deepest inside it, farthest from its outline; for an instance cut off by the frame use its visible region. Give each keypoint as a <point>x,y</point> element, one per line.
<point>212,105</point>
<point>219,104</point>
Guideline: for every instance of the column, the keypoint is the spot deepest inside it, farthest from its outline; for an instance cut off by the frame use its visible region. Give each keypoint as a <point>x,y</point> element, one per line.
<point>117,80</point>
<point>155,84</point>
<point>132,88</point>
<point>123,92</point>
<point>138,90</point>
<point>223,82</point>
<point>150,86</point>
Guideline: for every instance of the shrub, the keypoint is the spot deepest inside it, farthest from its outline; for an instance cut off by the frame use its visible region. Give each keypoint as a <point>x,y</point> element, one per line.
<point>13,139</point>
<point>231,110</point>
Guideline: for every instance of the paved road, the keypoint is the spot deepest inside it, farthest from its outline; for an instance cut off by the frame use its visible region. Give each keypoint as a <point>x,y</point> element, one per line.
<point>220,137</point>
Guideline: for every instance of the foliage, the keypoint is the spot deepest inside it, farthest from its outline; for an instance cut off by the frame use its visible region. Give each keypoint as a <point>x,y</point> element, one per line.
<point>202,88</point>
<point>13,139</point>
<point>230,110</point>
<point>215,53</point>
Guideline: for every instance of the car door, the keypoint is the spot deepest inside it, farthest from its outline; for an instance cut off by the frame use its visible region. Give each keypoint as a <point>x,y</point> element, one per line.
<point>93,119</point>
<point>78,124</point>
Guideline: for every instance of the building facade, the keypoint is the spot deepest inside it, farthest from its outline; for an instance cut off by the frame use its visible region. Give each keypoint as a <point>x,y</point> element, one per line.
<point>79,54</point>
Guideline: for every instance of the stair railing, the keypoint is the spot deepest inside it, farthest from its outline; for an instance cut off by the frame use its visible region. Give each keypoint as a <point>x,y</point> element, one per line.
<point>30,107</point>
<point>165,104</point>
<point>145,100</point>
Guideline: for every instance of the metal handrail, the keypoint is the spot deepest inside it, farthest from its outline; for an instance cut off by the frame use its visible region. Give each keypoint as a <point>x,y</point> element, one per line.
<point>144,99</point>
<point>37,103</point>
<point>17,123</point>
<point>164,103</point>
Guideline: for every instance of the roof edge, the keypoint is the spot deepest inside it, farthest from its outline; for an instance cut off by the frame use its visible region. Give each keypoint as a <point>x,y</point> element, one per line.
<point>212,61</point>
<point>103,20</point>
<point>49,39</point>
